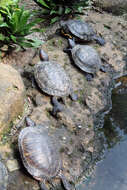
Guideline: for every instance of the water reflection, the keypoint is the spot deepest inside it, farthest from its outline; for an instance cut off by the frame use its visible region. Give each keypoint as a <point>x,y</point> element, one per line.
<point>111,173</point>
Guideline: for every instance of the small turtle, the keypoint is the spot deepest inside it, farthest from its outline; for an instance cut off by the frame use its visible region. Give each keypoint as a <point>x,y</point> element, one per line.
<point>3,177</point>
<point>40,155</point>
<point>53,80</point>
<point>86,58</point>
<point>80,30</point>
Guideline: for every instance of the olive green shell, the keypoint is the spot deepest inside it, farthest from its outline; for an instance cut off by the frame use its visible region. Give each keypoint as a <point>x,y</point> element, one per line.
<point>39,152</point>
<point>86,58</point>
<point>52,79</point>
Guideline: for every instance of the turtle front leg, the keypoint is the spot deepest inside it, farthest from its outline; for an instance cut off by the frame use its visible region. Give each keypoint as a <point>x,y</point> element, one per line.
<point>89,76</point>
<point>67,50</point>
<point>99,40</point>
<point>42,186</point>
<point>73,96</point>
<point>57,106</point>
<point>65,182</point>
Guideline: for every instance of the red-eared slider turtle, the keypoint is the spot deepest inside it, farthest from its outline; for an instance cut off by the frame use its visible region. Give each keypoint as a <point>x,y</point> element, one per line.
<point>40,155</point>
<point>3,177</point>
<point>86,58</point>
<point>53,80</point>
<point>80,30</point>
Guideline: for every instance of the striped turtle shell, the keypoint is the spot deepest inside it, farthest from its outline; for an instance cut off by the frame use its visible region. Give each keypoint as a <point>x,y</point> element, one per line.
<point>39,153</point>
<point>78,28</point>
<point>52,79</point>
<point>86,58</point>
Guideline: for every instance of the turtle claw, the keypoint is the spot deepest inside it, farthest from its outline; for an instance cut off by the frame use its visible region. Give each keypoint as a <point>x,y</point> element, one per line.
<point>43,186</point>
<point>65,182</point>
<point>57,106</point>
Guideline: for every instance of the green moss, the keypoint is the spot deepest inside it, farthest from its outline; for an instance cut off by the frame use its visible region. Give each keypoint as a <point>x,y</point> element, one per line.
<point>56,56</point>
<point>61,150</point>
<point>5,135</point>
<point>89,126</point>
<point>60,42</point>
<point>48,113</point>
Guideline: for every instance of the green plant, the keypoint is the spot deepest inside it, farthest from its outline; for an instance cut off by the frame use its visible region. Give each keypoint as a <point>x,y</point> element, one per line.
<point>57,8</point>
<point>15,25</point>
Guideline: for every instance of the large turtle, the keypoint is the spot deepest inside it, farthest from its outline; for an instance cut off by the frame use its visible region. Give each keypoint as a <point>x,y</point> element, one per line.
<point>40,154</point>
<point>3,177</point>
<point>86,58</point>
<point>80,30</point>
<point>53,80</point>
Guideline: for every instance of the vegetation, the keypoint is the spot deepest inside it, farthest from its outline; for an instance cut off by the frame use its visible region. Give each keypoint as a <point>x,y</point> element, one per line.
<point>58,8</point>
<point>15,25</point>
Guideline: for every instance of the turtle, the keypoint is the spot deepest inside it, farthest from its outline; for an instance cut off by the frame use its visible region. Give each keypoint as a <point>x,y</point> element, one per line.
<point>80,30</point>
<point>53,80</point>
<point>3,177</point>
<point>40,154</point>
<point>86,58</point>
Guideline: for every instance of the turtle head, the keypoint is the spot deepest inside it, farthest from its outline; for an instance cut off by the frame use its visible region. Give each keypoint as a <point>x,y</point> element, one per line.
<point>29,122</point>
<point>43,56</point>
<point>71,42</point>
<point>62,23</point>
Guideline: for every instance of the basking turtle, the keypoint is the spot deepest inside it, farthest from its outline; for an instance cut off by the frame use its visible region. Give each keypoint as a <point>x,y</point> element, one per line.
<point>86,58</point>
<point>3,177</point>
<point>53,80</point>
<point>80,30</point>
<point>40,155</point>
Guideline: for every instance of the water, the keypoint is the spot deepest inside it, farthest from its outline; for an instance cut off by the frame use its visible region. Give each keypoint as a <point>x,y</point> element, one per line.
<point>111,172</point>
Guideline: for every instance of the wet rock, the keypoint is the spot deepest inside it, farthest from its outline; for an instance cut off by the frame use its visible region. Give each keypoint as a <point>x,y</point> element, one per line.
<point>3,177</point>
<point>11,96</point>
<point>117,7</point>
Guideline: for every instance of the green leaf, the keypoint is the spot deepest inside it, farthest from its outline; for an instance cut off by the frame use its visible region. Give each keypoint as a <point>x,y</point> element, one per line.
<point>36,43</point>
<point>13,38</point>
<point>2,37</point>
<point>42,2</point>
<point>54,20</point>
<point>4,24</point>
<point>67,10</point>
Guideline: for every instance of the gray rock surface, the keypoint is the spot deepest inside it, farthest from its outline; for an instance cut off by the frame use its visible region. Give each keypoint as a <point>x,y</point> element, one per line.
<point>11,95</point>
<point>115,6</point>
<point>3,177</point>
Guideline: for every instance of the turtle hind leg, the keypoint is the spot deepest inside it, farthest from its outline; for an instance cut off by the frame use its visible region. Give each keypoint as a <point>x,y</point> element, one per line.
<point>99,40</point>
<point>103,69</point>
<point>65,182</point>
<point>57,107</point>
<point>74,96</point>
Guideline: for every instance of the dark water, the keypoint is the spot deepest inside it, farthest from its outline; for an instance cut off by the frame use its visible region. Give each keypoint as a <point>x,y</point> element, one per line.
<point>111,172</point>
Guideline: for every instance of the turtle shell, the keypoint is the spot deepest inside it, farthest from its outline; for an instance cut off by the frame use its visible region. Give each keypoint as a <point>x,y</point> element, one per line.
<point>52,78</point>
<point>39,153</point>
<point>79,29</point>
<point>86,58</point>
<point>3,177</point>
